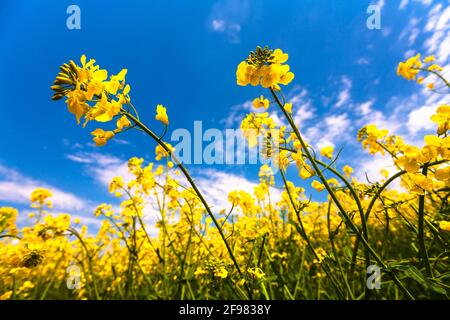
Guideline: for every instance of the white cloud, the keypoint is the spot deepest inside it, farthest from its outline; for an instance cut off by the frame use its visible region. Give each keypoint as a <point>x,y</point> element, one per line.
<point>404,3</point>
<point>411,31</point>
<point>102,167</point>
<point>369,167</point>
<point>344,95</point>
<point>362,61</point>
<point>438,25</point>
<point>232,30</point>
<point>365,108</point>
<point>331,130</point>
<point>216,185</point>
<point>90,221</point>
<point>278,120</point>
<point>16,188</point>
<point>380,4</point>
<point>409,53</point>
<point>236,114</point>
<point>302,105</point>
<point>386,31</point>
<point>228,16</point>
<point>303,112</point>
<point>419,118</point>
<point>366,114</point>
<point>218,25</point>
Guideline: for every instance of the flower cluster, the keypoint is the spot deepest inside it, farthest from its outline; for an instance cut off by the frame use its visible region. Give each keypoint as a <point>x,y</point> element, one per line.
<point>88,91</point>
<point>266,67</point>
<point>91,94</point>
<point>410,68</point>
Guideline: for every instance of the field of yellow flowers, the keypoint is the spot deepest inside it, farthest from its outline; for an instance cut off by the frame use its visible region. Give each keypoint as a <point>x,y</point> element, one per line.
<point>366,241</point>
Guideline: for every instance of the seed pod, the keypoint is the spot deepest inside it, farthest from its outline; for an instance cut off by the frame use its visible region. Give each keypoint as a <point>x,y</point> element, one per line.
<point>73,67</point>
<point>63,80</point>
<point>57,96</point>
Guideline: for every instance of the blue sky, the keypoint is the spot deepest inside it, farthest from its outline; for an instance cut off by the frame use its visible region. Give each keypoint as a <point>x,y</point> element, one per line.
<point>184,54</point>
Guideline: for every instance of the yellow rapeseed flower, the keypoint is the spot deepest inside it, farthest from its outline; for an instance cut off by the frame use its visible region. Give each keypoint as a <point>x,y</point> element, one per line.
<point>161,114</point>
<point>409,68</point>
<point>327,152</point>
<point>347,170</point>
<point>122,123</point>
<point>444,225</point>
<point>261,102</point>
<point>101,136</point>
<point>317,185</point>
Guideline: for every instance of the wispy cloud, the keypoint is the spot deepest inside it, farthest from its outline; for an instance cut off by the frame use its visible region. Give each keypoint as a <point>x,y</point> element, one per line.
<point>302,105</point>
<point>218,25</point>
<point>231,29</point>
<point>369,167</point>
<point>16,188</point>
<point>101,167</point>
<point>404,3</point>
<point>419,118</point>
<point>380,3</point>
<point>330,131</point>
<point>438,29</point>
<point>364,108</point>
<point>362,61</point>
<point>236,114</point>
<point>344,95</point>
<point>411,31</point>
<point>228,16</point>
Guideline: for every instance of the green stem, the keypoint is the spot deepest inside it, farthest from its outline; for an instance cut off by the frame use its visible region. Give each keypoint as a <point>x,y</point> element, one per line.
<point>421,235</point>
<point>331,236</point>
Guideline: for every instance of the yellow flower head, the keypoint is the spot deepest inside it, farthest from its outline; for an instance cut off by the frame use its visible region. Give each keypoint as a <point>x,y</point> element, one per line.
<point>429,59</point>
<point>443,174</point>
<point>442,118</point>
<point>256,273</point>
<point>161,152</point>
<point>261,102</point>
<point>288,107</point>
<point>101,136</point>
<point>327,152</point>
<point>122,123</point>
<point>317,185</point>
<point>409,68</point>
<point>444,225</point>
<point>370,137</point>
<point>161,114</point>
<point>8,218</point>
<point>40,197</point>
<point>221,272</point>
<point>306,171</point>
<point>347,170</point>
<point>280,56</point>
<point>266,67</point>
<point>88,91</point>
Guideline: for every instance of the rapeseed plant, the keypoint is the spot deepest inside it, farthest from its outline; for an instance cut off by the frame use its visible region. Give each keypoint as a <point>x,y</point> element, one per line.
<point>292,248</point>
